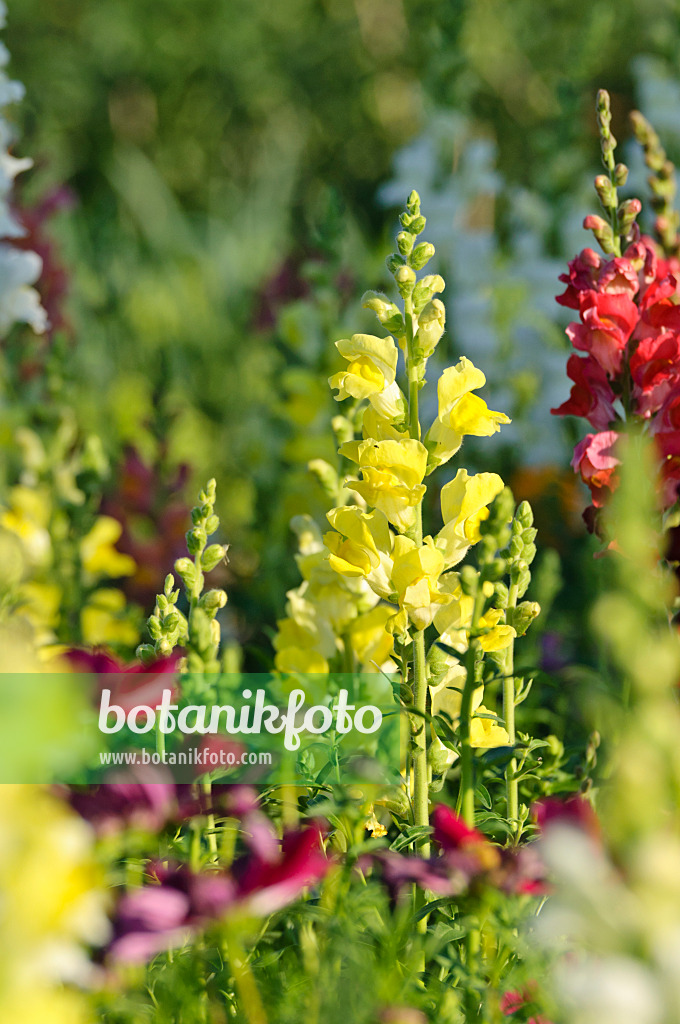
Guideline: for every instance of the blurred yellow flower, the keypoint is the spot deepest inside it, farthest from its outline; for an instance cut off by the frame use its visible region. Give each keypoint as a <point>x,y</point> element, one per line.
<point>98,553</point>
<point>28,516</point>
<point>103,620</point>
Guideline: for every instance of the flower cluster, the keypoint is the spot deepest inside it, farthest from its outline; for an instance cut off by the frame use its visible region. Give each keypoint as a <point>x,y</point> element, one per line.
<point>330,617</point>
<point>629,330</point>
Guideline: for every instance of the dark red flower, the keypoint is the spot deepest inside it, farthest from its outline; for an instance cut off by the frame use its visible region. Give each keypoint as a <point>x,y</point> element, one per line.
<point>130,685</point>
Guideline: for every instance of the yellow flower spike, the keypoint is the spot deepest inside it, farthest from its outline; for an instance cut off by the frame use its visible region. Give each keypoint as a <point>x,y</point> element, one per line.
<point>486,732</point>
<point>97,551</point>
<point>460,412</point>
<point>392,478</point>
<point>415,577</point>
<point>464,502</point>
<point>372,366</point>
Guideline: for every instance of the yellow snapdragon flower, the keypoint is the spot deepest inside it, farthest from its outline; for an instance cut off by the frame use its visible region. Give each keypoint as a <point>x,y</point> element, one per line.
<point>372,366</point>
<point>361,547</point>
<point>464,503</point>
<point>453,621</point>
<point>445,699</point>
<point>371,643</point>
<point>460,412</point>
<point>392,475</point>
<point>415,577</point>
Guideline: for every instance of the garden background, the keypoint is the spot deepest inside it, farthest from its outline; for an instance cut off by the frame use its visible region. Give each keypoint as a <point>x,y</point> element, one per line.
<point>215,185</point>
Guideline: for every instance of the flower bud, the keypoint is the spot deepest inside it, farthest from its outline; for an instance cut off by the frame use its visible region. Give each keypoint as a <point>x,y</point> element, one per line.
<point>213,600</point>
<point>405,242</point>
<point>421,255</point>
<point>186,570</point>
<point>413,204</point>
<point>154,624</point>
<point>431,326</point>
<point>605,191</point>
<point>212,524</point>
<point>212,556</point>
<point>620,175</point>
<point>196,539</point>
<point>440,759</point>
<point>146,653</point>
<point>602,231</point>
<point>626,214</point>
<point>406,279</point>
<point>524,614</point>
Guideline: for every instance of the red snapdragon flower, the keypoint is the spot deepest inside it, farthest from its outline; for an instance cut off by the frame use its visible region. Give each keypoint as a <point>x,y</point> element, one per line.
<point>163,916</point>
<point>130,685</point>
<point>594,460</point>
<point>629,325</point>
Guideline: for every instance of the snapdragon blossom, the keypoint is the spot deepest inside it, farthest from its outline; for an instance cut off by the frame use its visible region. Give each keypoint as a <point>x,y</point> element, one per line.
<point>629,330</point>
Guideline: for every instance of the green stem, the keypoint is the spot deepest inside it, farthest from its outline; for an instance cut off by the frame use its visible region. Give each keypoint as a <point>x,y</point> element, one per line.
<point>420,795</point>
<point>211,834</point>
<point>511,783</point>
<point>467,767</point>
<point>246,987</point>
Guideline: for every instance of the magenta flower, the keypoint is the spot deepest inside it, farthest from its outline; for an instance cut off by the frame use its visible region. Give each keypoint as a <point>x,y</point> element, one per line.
<point>129,690</point>
<point>267,878</point>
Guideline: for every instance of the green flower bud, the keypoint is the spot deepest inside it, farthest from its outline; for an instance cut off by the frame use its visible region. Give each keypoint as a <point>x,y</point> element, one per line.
<point>605,191</point>
<point>165,647</point>
<point>529,553</point>
<point>524,614</point>
<point>212,524</point>
<point>413,204</point>
<point>146,653</point>
<point>405,242</point>
<point>168,587</point>
<point>524,514</point>
<point>196,540</point>
<point>213,600</point>
<point>502,595</point>
<point>421,255</point>
<point>406,279</point>
<point>417,225</point>
<point>154,625</point>
<point>186,570</point>
<point>620,175</point>
<point>212,556</point>
<point>626,214</point>
<point>406,694</point>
